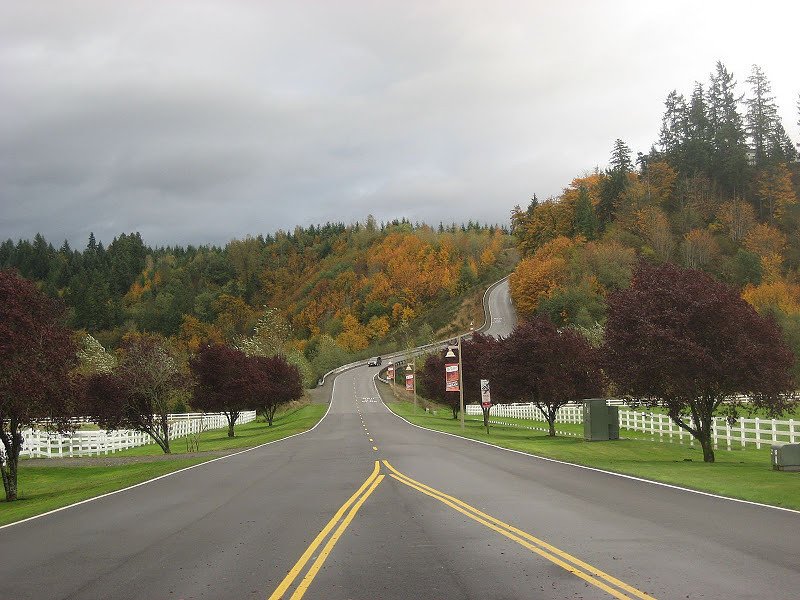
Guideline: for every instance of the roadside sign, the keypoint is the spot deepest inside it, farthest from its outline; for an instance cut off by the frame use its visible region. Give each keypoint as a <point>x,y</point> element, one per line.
<point>390,371</point>
<point>410,382</point>
<point>451,377</point>
<point>486,398</point>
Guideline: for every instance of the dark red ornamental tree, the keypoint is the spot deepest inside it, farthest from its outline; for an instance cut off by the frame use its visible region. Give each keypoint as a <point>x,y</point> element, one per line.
<point>271,382</point>
<point>140,391</point>
<point>680,339</point>
<point>37,353</point>
<point>219,374</point>
<point>538,363</point>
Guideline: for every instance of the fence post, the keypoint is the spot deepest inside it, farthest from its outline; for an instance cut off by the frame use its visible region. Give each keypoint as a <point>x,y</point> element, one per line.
<point>758,434</point>
<point>714,433</point>
<point>728,433</point>
<point>791,431</point>
<point>744,436</point>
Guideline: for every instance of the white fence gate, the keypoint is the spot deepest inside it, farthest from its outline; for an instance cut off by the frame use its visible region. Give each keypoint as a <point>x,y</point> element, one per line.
<point>42,444</point>
<point>743,431</point>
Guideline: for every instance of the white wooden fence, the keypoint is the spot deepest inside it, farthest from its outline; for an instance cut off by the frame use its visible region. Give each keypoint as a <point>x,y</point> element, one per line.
<point>742,432</point>
<point>41,444</point>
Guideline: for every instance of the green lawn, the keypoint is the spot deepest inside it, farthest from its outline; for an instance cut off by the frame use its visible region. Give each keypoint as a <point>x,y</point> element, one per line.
<point>44,488</point>
<point>745,474</point>
<point>250,434</point>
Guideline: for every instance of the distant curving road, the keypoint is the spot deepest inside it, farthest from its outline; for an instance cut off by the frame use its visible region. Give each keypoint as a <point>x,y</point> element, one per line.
<point>501,316</point>
<point>368,506</point>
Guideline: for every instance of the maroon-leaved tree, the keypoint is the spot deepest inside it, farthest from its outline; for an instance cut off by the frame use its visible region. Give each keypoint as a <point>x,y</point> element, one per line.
<point>271,382</point>
<point>139,393</point>
<point>680,339</point>
<point>538,363</point>
<point>220,377</point>
<point>37,353</point>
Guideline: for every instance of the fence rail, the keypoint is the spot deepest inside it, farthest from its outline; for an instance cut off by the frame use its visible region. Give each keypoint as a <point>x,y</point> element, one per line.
<point>43,444</point>
<point>744,431</point>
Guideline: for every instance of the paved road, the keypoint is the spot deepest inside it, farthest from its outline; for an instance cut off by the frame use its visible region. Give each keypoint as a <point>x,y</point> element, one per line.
<point>502,317</point>
<point>408,528</point>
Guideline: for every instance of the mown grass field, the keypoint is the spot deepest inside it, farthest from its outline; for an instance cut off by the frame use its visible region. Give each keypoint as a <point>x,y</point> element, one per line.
<point>250,434</point>
<point>44,488</point>
<point>741,473</point>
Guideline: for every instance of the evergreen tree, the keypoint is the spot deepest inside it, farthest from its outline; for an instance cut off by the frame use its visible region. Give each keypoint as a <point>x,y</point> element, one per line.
<point>585,217</point>
<point>762,116</point>
<point>673,126</point>
<point>697,150</point>
<point>621,157</point>
<point>615,184</point>
<point>726,129</point>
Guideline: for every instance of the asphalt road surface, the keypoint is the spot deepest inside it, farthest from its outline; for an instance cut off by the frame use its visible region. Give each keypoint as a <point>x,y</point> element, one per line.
<point>368,506</point>
<point>502,316</point>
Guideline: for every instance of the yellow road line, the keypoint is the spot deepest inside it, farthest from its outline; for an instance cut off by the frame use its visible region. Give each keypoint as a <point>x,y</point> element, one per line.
<point>374,447</point>
<point>492,523</point>
<point>312,572</point>
<point>298,566</point>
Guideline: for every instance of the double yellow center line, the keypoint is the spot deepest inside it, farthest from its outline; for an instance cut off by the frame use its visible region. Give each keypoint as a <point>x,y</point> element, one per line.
<point>568,562</point>
<point>356,500</point>
<point>591,575</point>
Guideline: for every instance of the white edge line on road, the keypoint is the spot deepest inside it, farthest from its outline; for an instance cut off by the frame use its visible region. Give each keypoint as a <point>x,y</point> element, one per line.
<point>145,482</point>
<point>562,462</point>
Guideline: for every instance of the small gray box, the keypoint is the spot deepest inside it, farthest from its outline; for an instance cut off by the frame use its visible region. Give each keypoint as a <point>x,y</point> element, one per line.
<point>600,421</point>
<point>786,457</point>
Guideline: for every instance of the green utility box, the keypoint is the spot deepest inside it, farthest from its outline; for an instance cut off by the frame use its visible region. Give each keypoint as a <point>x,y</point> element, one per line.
<point>786,457</point>
<point>600,421</point>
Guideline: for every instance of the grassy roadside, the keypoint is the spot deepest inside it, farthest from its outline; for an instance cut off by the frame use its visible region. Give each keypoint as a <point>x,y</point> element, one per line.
<point>744,474</point>
<point>250,434</point>
<point>44,488</point>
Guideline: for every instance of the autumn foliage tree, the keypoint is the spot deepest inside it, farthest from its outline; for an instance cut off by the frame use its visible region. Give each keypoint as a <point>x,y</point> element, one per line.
<point>538,363</point>
<point>680,339</point>
<point>219,378</point>
<point>37,353</point>
<point>140,391</point>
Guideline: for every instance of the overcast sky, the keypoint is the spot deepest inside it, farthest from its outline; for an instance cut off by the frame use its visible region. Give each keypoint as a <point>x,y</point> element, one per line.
<point>197,122</point>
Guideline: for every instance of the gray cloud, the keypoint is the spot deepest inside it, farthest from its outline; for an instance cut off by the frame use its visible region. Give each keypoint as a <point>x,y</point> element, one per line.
<point>198,122</point>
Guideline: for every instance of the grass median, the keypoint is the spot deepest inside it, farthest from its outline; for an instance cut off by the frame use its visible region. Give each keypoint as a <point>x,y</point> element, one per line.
<point>44,488</point>
<point>741,473</point>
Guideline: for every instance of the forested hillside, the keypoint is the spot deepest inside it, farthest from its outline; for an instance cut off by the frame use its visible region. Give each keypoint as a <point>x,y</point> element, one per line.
<point>718,192</point>
<point>329,292</point>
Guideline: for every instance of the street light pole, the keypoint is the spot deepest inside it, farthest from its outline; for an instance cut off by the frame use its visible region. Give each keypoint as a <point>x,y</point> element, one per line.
<point>460,385</point>
<point>413,368</point>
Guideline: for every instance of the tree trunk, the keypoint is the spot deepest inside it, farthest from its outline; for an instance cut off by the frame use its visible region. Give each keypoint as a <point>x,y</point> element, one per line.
<point>551,423</point>
<point>231,416</point>
<point>12,444</point>
<point>486,418</point>
<point>9,470</point>
<point>706,443</point>
<point>165,433</point>
<point>271,414</point>
<point>455,411</point>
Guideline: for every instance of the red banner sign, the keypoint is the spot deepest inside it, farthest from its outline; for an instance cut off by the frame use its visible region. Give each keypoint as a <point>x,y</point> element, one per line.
<point>390,372</point>
<point>451,377</point>
<point>410,382</point>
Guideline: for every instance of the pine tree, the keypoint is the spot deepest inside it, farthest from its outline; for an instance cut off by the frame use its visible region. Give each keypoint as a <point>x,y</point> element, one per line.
<point>727,135</point>
<point>697,152</point>
<point>762,116</point>
<point>621,157</point>
<point>673,125</point>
